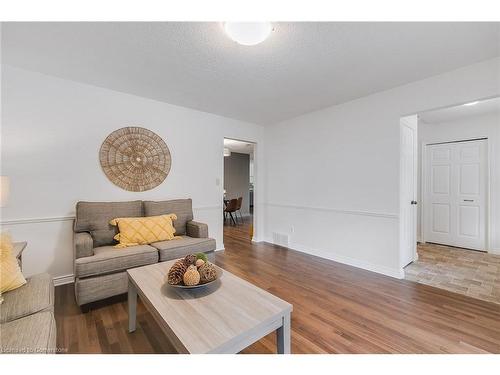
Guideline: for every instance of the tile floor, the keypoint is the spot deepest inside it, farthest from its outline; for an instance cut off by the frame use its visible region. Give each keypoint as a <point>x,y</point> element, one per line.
<point>468,272</point>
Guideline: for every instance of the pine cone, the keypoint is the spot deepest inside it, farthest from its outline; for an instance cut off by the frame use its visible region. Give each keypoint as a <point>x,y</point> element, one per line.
<point>189,259</point>
<point>207,273</point>
<point>191,277</point>
<point>176,273</point>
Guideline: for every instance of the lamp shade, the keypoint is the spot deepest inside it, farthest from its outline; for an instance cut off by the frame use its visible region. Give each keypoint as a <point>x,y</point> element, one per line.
<point>4,190</point>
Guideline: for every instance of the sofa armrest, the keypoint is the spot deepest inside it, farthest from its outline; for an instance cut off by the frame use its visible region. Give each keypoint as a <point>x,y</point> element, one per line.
<point>83,245</point>
<point>196,229</point>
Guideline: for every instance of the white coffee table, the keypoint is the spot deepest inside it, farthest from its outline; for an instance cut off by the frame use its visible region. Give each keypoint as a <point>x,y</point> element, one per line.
<point>224,317</point>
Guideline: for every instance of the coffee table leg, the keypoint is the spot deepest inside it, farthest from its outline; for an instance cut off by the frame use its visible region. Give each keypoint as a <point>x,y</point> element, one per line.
<point>132,307</point>
<point>283,336</point>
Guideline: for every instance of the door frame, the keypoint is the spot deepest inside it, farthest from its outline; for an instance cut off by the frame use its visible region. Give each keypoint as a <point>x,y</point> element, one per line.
<point>490,219</point>
<point>256,209</point>
<point>423,181</point>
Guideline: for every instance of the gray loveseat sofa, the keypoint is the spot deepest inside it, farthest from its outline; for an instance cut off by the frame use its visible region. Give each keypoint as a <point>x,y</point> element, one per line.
<point>100,268</point>
<point>27,323</point>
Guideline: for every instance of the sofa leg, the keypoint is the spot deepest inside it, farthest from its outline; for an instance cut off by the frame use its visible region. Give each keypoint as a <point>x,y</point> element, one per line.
<point>85,308</point>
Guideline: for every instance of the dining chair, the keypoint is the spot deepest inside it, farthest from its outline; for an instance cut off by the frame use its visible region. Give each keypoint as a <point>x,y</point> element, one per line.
<point>231,208</point>
<point>238,208</point>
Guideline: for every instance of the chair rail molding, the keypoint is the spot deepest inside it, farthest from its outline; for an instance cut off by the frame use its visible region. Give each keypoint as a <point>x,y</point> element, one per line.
<point>37,220</point>
<point>50,219</point>
<point>387,215</point>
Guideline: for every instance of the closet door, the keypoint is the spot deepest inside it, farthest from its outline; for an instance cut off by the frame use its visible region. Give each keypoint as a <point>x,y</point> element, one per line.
<point>455,194</point>
<point>438,209</point>
<point>470,175</point>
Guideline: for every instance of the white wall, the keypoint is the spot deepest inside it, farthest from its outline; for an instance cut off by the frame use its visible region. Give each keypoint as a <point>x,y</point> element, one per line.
<point>52,130</point>
<point>237,179</point>
<point>485,126</point>
<point>333,175</point>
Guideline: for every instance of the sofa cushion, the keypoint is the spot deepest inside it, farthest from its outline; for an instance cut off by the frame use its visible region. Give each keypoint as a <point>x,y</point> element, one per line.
<point>32,334</point>
<point>35,296</point>
<point>94,217</point>
<point>185,245</point>
<point>183,208</point>
<point>107,259</point>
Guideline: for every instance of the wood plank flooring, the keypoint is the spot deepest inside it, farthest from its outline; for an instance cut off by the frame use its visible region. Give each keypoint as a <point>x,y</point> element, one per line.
<point>337,309</point>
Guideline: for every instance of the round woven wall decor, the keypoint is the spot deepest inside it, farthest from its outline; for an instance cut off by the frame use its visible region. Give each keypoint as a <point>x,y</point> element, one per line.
<point>135,159</point>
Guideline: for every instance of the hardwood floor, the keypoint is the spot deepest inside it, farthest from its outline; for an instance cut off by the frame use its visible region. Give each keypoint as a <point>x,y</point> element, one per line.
<point>243,231</point>
<point>337,309</point>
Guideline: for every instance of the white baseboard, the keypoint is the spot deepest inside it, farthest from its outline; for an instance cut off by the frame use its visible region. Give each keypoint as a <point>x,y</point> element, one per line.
<point>61,280</point>
<point>392,272</point>
<point>220,248</point>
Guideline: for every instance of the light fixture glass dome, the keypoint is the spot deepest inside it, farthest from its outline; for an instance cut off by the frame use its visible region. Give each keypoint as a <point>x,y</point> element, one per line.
<point>471,103</point>
<point>248,33</point>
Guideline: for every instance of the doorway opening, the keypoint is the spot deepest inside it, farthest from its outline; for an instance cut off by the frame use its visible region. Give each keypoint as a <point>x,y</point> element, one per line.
<point>450,197</point>
<point>239,189</point>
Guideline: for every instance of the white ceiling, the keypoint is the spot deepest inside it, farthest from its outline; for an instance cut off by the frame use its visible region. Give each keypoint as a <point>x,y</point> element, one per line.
<point>239,146</point>
<point>483,107</point>
<point>301,67</point>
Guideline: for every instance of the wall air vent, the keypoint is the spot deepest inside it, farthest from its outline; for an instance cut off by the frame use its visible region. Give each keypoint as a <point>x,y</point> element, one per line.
<point>280,239</point>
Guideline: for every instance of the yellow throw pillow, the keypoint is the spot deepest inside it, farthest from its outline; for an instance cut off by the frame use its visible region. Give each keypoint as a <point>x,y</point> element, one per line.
<point>144,230</point>
<point>10,273</point>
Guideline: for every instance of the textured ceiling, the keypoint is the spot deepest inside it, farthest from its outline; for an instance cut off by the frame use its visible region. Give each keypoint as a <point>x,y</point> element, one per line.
<point>301,67</point>
<point>484,107</point>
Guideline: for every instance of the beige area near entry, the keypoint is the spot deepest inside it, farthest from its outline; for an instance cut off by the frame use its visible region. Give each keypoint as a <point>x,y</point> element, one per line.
<point>472,273</point>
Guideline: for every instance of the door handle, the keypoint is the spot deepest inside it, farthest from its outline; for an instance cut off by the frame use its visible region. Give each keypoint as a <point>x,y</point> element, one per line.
<point>413,202</point>
<point>468,200</point>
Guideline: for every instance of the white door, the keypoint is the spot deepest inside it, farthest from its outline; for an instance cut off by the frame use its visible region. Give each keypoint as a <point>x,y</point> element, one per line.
<point>408,190</point>
<point>455,194</point>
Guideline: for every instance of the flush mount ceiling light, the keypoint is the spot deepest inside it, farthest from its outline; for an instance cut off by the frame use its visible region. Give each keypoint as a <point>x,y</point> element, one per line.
<point>248,33</point>
<point>471,103</point>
